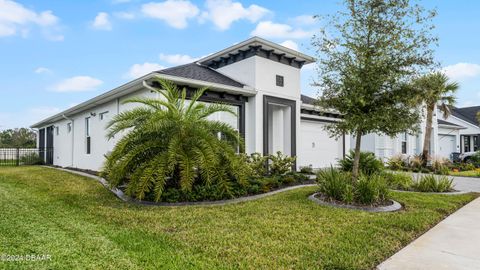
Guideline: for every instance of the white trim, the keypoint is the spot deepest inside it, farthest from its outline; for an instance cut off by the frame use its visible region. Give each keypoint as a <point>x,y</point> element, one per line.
<point>136,85</point>
<point>260,41</point>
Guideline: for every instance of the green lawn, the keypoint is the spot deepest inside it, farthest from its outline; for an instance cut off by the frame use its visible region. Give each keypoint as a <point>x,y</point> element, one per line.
<point>81,225</point>
<point>471,173</point>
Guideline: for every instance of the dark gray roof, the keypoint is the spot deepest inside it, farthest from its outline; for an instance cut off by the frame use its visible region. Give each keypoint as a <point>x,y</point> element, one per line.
<point>443,122</point>
<point>468,114</point>
<point>202,73</point>
<point>308,100</point>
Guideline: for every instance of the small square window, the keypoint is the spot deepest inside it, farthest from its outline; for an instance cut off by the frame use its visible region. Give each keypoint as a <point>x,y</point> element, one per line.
<point>69,127</point>
<point>279,80</point>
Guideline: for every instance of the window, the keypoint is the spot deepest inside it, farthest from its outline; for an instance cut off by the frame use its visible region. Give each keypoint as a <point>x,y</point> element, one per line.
<point>69,127</point>
<point>279,80</point>
<point>57,131</point>
<point>475,143</point>
<point>87,135</point>
<point>103,115</point>
<point>466,143</point>
<point>404,143</point>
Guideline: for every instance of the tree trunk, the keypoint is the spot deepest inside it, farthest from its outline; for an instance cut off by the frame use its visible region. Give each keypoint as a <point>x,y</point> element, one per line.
<point>428,135</point>
<point>356,159</point>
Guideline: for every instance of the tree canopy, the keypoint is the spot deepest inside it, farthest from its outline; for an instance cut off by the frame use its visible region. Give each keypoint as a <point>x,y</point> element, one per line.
<point>18,137</point>
<point>369,53</point>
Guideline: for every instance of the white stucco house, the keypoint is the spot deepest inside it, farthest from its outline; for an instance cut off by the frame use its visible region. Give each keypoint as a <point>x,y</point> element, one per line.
<point>258,78</point>
<point>261,81</point>
<point>458,133</point>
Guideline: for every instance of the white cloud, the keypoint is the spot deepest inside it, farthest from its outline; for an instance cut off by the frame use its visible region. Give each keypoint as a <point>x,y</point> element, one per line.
<point>124,15</point>
<point>138,70</point>
<point>270,29</point>
<point>175,13</point>
<point>462,71</point>
<point>42,70</point>
<point>177,59</point>
<point>225,12</point>
<point>290,44</point>
<point>102,22</point>
<point>304,20</point>
<point>77,84</point>
<point>16,19</point>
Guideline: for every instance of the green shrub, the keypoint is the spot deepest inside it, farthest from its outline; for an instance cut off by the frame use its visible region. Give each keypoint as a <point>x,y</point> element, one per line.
<point>306,170</point>
<point>371,189</point>
<point>333,183</point>
<point>31,159</point>
<point>400,181</point>
<point>368,163</point>
<point>474,160</point>
<point>396,163</point>
<point>415,162</point>
<point>432,183</point>
<point>468,167</point>
<point>280,164</point>
<point>349,194</point>
<point>444,170</point>
<point>257,164</point>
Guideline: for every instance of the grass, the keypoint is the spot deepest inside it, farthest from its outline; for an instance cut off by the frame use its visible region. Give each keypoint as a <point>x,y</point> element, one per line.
<point>470,173</point>
<point>82,226</point>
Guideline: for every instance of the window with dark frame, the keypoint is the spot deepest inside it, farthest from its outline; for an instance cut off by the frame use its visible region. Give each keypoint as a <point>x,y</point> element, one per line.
<point>87,135</point>
<point>466,143</point>
<point>475,143</point>
<point>279,80</point>
<point>404,143</point>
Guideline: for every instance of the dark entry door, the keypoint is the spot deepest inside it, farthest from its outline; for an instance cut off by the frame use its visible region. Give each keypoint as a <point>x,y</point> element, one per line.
<point>41,144</point>
<point>49,148</point>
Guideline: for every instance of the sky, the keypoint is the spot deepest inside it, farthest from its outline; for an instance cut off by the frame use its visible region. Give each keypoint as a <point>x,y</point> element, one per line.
<point>57,54</point>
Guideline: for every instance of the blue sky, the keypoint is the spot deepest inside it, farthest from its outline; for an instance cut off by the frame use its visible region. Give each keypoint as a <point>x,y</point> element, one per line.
<point>56,54</point>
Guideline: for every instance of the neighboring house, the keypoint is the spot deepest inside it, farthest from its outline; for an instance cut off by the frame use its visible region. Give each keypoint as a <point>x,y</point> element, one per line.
<point>459,133</point>
<point>258,78</point>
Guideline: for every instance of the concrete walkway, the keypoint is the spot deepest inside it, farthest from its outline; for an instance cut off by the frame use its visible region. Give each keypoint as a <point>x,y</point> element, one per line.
<point>471,184</point>
<point>454,243</point>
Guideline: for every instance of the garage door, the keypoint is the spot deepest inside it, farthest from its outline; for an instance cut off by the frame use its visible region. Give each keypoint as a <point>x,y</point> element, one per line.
<point>447,145</point>
<point>317,149</point>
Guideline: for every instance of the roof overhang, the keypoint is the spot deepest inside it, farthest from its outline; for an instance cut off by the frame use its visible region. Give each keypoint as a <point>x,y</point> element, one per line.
<point>455,127</point>
<point>137,85</point>
<point>260,43</point>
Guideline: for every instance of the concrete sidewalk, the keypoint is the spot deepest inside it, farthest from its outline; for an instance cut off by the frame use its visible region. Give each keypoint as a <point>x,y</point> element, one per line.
<point>454,243</point>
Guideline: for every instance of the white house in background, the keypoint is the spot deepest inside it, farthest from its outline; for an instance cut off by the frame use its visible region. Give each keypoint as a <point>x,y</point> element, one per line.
<point>459,133</point>
<point>258,78</point>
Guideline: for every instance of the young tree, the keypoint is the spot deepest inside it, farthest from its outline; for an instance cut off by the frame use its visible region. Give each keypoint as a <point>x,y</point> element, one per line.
<point>436,91</point>
<point>368,55</point>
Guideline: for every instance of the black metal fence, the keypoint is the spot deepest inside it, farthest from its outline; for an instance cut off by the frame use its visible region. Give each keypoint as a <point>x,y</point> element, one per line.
<point>25,156</point>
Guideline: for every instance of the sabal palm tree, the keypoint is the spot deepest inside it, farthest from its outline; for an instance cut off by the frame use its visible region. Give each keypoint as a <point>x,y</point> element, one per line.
<point>438,92</point>
<point>170,141</point>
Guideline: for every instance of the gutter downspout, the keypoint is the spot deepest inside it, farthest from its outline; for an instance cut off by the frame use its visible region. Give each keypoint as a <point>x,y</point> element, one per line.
<point>73,135</point>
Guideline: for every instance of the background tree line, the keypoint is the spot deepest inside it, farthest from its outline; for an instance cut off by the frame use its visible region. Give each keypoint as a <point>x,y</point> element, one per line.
<point>18,137</point>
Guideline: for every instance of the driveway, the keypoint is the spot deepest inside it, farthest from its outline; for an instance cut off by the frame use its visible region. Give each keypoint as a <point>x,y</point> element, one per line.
<point>466,183</point>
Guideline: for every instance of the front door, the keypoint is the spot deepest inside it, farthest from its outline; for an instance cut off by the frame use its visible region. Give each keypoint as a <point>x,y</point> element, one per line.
<point>49,148</point>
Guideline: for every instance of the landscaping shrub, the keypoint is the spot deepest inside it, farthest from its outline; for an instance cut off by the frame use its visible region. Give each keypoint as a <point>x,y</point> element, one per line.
<point>338,185</point>
<point>368,163</point>
<point>371,189</point>
<point>169,143</point>
<point>306,169</point>
<point>416,163</point>
<point>433,183</point>
<point>257,164</point>
<point>396,163</point>
<point>474,160</point>
<point>31,159</point>
<point>400,181</point>
<point>333,183</point>
<point>280,164</point>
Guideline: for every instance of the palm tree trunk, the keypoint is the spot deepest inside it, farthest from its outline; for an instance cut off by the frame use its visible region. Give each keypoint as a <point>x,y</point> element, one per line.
<point>428,134</point>
<point>356,159</point>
